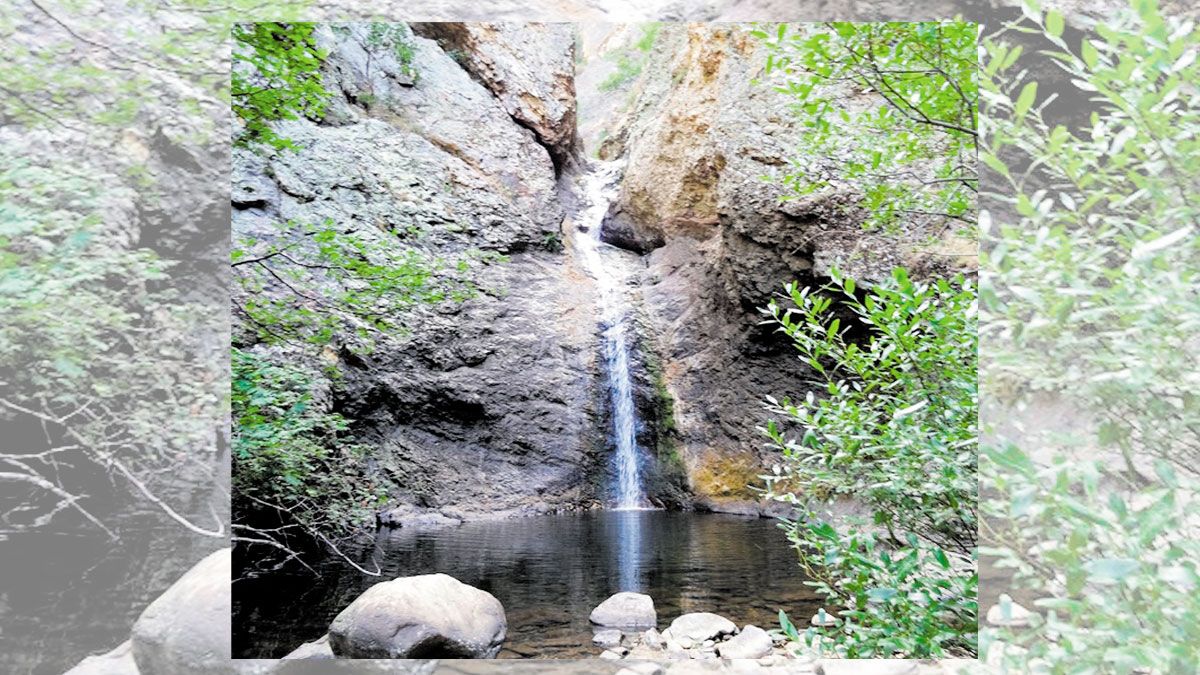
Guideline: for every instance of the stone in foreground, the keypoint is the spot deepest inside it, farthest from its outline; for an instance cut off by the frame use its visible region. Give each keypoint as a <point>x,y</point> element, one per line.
<point>752,643</point>
<point>117,662</point>
<point>315,650</point>
<point>867,667</point>
<point>701,626</point>
<point>607,638</point>
<point>427,616</point>
<point>627,610</point>
<point>186,630</point>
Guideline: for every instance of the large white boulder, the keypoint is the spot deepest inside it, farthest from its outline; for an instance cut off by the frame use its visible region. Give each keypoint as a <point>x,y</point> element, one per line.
<point>186,630</point>
<point>427,616</point>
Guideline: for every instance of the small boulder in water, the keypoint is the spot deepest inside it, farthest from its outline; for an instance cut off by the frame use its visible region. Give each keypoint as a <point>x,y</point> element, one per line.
<point>629,610</point>
<point>752,643</point>
<point>607,638</point>
<point>701,626</point>
<point>427,616</point>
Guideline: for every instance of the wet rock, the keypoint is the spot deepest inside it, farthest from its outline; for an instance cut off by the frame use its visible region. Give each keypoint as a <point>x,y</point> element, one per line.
<point>700,626</point>
<point>186,630</point>
<point>316,650</point>
<point>607,638</point>
<point>427,616</point>
<point>751,643</point>
<point>625,609</point>
<point>119,661</point>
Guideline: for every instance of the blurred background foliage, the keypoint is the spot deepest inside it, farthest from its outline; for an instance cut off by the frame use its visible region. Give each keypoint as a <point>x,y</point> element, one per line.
<point>1090,309</point>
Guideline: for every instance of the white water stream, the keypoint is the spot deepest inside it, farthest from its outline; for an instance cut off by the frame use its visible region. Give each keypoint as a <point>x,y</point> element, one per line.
<point>600,187</point>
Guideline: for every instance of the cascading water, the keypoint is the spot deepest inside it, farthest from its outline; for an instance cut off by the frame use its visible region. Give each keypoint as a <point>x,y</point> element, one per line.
<point>599,189</point>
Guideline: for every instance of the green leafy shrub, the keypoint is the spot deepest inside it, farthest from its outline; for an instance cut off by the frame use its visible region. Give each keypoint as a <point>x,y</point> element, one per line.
<point>1089,293</point>
<point>910,150</point>
<point>649,36</point>
<point>292,465</point>
<point>628,68</point>
<point>276,76</point>
<point>891,424</point>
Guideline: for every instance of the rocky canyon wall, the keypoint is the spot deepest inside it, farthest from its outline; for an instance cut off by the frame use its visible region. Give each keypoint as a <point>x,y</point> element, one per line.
<point>482,406</point>
<point>704,142</point>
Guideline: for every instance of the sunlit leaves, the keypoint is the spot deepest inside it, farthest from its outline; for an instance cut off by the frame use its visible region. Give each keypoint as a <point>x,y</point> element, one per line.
<point>1092,305</point>
<point>276,76</point>
<point>891,424</point>
<point>911,151</point>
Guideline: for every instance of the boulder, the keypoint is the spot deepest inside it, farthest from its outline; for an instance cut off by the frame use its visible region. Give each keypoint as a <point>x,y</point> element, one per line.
<point>700,626</point>
<point>316,650</point>
<point>625,609</point>
<point>528,67</point>
<point>752,643</point>
<point>427,616</point>
<point>607,638</point>
<point>186,630</point>
<point>119,661</point>
<point>653,639</point>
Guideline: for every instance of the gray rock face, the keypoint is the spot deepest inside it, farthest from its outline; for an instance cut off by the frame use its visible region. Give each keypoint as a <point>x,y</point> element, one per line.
<point>701,626</point>
<point>427,616</point>
<point>483,406</point>
<point>627,610</point>
<point>751,643</point>
<point>529,67</point>
<point>186,630</point>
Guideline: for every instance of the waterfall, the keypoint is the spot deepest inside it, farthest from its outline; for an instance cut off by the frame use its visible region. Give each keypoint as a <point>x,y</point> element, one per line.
<point>600,187</point>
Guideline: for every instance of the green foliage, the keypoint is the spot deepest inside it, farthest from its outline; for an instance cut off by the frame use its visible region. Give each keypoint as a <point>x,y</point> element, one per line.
<point>552,241</point>
<point>910,150</point>
<point>891,424</point>
<point>628,68</point>
<point>316,281</point>
<point>276,76</point>
<point>649,35</point>
<point>291,459</point>
<point>86,325</point>
<point>393,36</point>
<point>1090,300</point>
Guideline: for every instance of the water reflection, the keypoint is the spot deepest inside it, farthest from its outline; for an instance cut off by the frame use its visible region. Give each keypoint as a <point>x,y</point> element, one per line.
<point>549,572</point>
<point>629,549</point>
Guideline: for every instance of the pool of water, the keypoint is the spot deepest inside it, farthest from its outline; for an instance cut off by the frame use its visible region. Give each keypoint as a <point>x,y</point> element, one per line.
<point>549,572</point>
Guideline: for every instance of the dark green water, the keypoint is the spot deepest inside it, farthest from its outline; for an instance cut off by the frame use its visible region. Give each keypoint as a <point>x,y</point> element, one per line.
<point>549,572</point>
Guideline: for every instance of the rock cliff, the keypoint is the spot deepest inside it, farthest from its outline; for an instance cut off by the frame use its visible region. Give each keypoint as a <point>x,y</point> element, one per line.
<point>484,405</point>
<point>703,140</point>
